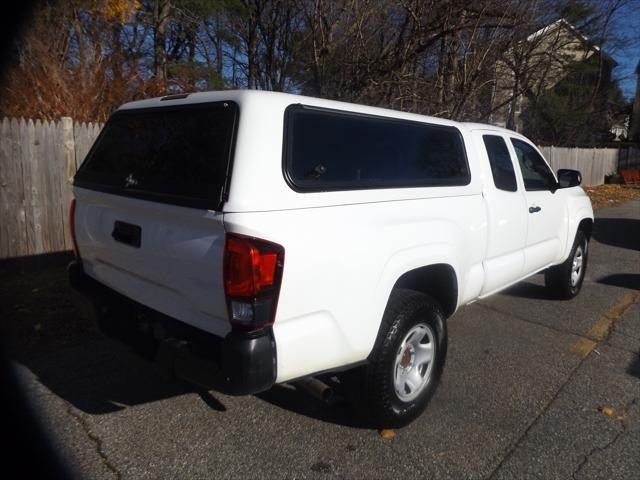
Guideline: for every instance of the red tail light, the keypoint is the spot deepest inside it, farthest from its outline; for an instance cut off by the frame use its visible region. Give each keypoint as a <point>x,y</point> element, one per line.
<point>252,276</point>
<point>72,228</point>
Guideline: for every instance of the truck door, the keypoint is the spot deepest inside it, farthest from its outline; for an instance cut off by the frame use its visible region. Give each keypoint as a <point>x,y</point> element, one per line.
<point>547,226</point>
<point>506,207</point>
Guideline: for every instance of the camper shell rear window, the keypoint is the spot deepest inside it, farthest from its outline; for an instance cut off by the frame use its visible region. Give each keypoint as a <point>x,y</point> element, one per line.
<point>178,154</point>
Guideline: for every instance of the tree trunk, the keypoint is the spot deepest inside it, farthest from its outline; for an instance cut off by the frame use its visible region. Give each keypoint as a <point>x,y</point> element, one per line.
<point>218,46</point>
<point>161,10</point>
<point>515,94</point>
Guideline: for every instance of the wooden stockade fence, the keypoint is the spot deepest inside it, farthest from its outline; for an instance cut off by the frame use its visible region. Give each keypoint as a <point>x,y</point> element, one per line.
<point>593,163</point>
<point>38,160</point>
<point>37,163</point>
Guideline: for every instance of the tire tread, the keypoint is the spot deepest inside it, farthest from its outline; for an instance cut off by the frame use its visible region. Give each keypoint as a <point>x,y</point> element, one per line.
<point>557,279</point>
<point>379,396</point>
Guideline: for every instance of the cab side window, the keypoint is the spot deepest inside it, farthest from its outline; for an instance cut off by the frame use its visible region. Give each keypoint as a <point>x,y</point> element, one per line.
<point>535,172</point>
<point>338,150</point>
<point>504,177</point>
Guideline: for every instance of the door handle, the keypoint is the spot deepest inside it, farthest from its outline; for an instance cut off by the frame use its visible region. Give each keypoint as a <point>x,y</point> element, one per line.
<point>127,233</point>
<point>534,209</point>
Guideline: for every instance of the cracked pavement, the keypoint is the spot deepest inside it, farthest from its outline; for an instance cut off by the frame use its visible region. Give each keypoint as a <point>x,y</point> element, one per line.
<point>515,400</point>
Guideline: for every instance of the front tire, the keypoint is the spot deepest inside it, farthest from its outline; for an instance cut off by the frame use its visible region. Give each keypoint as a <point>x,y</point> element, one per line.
<point>565,280</point>
<point>406,363</point>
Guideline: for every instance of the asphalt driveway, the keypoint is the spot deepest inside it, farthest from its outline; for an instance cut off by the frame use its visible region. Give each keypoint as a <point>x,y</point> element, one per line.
<point>533,388</point>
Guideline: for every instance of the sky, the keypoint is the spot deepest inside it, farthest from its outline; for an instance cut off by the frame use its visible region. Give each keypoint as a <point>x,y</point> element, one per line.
<point>626,52</point>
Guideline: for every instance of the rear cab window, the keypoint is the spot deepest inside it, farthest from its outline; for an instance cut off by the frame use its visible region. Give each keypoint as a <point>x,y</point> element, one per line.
<point>504,176</point>
<point>337,150</point>
<point>178,154</point>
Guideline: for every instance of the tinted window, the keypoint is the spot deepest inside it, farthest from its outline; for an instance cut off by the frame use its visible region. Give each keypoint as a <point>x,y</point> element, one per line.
<point>504,177</point>
<point>173,155</point>
<point>335,150</point>
<point>535,172</point>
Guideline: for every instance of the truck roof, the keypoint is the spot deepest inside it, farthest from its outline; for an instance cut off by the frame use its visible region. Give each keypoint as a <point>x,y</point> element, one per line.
<point>487,126</point>
<point>281,100</point>
<point>286,99</point>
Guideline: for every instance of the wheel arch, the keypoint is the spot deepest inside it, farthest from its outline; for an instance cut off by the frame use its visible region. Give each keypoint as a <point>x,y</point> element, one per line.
<point>434,269</point>
<point>439,281</point>
<point>586,226</point>
<point>580,219</point>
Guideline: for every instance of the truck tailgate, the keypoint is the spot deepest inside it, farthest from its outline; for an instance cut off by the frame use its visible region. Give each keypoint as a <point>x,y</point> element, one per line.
<point>177,266</point>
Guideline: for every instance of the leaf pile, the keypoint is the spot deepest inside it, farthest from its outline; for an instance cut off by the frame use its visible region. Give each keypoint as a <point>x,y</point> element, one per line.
<point>611,194</point>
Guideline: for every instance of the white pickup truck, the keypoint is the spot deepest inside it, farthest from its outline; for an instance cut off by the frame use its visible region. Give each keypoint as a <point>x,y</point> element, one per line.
<point>252,238</point>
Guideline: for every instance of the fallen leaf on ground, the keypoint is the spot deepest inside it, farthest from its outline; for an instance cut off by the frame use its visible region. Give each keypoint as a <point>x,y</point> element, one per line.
<point>387,433</point>
<point>607,411</point>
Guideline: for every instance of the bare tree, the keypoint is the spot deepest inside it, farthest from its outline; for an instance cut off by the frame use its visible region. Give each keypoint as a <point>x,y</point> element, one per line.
<point>467,60</point>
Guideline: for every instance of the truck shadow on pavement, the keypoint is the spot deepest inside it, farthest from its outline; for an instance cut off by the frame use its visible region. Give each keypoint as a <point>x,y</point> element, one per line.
<point>291,398</point>
<point>102,377</point>
<point>54,349</point>
<point>618,232</point>
<point>624,280</point>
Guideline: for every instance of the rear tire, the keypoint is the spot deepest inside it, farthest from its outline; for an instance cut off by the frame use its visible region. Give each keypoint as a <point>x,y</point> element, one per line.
<point>406,362</point>
<point>565,280</point>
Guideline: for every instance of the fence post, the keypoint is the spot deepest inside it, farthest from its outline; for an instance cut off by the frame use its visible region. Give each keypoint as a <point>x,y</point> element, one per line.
<point>8,193</point>
<point>69,147</point>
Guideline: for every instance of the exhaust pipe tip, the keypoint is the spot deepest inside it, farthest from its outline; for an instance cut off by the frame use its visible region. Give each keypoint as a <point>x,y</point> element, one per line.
<point>317,389</point>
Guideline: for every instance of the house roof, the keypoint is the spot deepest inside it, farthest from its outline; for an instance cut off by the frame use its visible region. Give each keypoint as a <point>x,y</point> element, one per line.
<point>562,23</point>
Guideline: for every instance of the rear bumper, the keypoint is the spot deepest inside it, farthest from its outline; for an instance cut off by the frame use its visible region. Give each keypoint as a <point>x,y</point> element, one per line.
<point>237,364</point>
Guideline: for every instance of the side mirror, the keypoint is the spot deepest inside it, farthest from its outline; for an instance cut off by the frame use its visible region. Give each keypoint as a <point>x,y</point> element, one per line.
<point>569,178</point>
